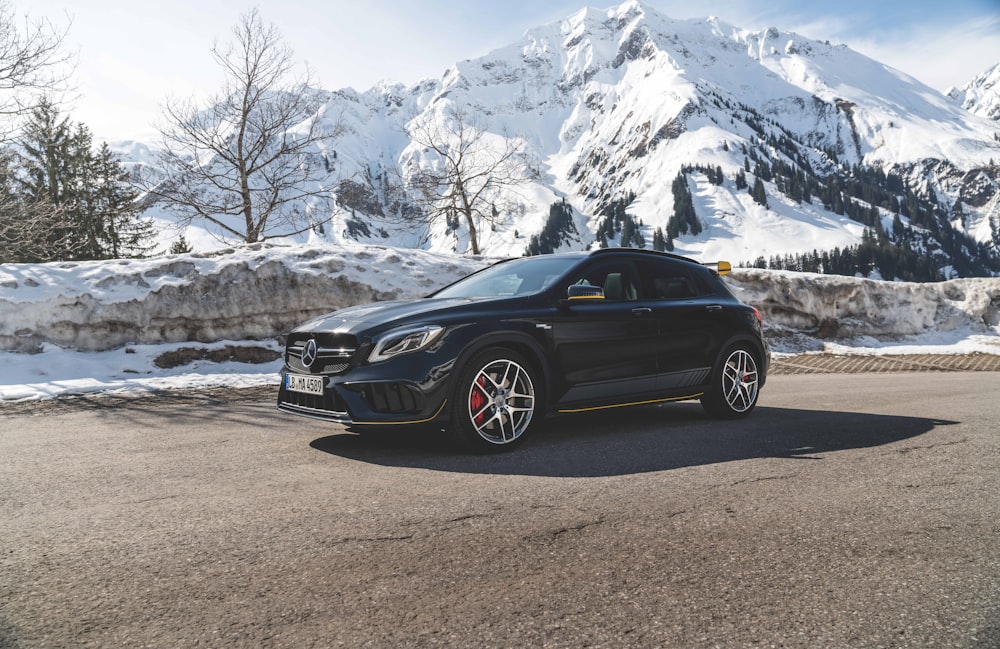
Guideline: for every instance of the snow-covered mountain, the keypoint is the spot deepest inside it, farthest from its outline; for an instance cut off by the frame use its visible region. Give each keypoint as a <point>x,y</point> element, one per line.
<point>616,105</point>
<point>981,96</point>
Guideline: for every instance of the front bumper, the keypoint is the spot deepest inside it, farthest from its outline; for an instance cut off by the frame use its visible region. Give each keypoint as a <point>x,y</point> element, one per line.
<point>366,395</point>
<point>326,407</point>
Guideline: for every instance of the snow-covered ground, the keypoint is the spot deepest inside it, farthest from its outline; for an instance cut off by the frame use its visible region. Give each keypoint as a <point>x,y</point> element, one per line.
<point>75,328</point>
<point>59,372</point>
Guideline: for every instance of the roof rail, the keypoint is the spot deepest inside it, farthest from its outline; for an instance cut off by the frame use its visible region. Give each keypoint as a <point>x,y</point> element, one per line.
<point>644,251</point>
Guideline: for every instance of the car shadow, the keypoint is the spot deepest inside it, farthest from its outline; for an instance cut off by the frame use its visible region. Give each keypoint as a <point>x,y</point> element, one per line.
<point>638,440</point>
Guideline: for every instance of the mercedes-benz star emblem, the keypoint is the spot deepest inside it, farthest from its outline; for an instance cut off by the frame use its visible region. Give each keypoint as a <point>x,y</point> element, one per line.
<point>309,353</point>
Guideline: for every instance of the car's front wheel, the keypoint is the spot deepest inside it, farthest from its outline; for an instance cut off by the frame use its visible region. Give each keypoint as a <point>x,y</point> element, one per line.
<point>494,401</point>
<point>735,385</point>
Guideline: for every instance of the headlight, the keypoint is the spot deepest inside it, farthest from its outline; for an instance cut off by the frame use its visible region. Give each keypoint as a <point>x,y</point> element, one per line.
<point>403,341</point>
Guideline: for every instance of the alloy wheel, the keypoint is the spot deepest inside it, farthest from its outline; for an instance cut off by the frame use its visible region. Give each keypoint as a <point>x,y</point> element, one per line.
<point>740,381</point>
<point>501,401</point>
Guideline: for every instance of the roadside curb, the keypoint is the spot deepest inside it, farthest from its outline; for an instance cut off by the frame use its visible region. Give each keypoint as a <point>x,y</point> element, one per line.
<point>884,364</point>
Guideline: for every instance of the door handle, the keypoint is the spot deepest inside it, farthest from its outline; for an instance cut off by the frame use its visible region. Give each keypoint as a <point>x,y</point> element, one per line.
<point>641,311</point>
<point>713,308</point>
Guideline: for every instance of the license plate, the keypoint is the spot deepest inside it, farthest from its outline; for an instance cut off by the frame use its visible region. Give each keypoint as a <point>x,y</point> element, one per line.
<point>306,384</point>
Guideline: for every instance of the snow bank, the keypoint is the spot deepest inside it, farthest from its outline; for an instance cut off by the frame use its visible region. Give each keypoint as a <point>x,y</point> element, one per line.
<point>253,293</point>
<point>835,308</point>
<point>260,292</point>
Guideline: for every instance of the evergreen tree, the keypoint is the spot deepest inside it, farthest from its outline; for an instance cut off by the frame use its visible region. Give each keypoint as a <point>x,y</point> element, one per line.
<point>45,180</point>
<point>659,241</point>
<point>557,228</point>
<point>46,146</point>
<point>684,218</point>
<point>741,180</point>
<point>628,231</point>
<point>79,195</point>
<point>119,229</point>
<point>637,238</point>
<point>758,193</point>
<point>85,198</point>
<point>897,228</point>
<point>180,247</point>
<point>11,212</point>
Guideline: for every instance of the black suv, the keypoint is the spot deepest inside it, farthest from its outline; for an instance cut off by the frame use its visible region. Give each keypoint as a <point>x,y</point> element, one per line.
<point>490,354</point>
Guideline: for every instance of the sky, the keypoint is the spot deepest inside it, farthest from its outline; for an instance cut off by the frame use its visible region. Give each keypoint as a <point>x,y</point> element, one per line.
<point>132,55</point>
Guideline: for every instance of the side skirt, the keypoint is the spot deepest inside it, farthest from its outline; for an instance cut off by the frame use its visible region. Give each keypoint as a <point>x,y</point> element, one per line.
<point>672,386</point>
<point>632,403</point>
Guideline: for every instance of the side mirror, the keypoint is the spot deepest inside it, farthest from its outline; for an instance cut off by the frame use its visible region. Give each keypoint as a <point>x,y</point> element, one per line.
<point>584,292</point>
<point>722,267</point>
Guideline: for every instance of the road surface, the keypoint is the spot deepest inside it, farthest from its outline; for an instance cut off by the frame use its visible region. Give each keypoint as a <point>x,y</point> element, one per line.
<point>848,511</point>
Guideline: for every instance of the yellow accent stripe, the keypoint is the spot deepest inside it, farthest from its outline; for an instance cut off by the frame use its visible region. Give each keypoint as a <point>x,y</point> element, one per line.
<point>636,403</point>
<point>401,423</point>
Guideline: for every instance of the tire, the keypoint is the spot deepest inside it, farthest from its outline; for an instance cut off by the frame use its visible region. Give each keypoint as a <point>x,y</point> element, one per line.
<point>494,401</point>
<point>735,385</point>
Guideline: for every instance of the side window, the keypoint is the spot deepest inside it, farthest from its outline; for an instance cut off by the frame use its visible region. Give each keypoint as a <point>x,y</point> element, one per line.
<point>663,280</point>
<point>618,280</point>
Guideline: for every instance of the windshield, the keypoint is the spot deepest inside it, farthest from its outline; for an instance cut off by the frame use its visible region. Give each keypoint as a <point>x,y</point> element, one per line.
<point>515,277</point>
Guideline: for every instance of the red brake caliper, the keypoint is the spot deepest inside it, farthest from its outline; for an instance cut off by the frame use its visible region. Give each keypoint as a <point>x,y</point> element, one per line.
<point>477,399</point>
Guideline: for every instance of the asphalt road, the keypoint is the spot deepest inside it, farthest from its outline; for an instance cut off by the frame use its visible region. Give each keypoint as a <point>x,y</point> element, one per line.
<point>848,511</point>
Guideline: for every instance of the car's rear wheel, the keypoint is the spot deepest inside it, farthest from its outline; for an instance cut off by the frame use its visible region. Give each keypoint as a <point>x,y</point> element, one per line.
<point>735,385</point>
<point>494,401</point>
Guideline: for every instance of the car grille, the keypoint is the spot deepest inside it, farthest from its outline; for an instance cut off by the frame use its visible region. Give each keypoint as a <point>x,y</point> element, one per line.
<point>333,353</point>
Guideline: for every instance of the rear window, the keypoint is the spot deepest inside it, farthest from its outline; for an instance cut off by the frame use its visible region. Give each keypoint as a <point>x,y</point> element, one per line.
<point>667,280</point>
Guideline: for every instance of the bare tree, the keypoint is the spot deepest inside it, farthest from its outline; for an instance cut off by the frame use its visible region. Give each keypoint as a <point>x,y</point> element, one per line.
<point>34,231</point>
<point>471,171</point>
<point>246,163</point>
<point>32,63</point>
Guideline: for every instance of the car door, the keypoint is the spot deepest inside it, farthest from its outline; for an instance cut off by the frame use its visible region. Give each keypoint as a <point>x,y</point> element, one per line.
<point>690,321</point>
<point>602,346</point>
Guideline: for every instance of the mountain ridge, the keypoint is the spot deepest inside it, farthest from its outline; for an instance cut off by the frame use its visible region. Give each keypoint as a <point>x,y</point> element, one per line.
<point>980,96</point>
<point>620,102</point>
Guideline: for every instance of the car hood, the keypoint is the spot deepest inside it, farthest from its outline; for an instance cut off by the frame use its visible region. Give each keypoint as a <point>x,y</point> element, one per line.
<point>363,318</point>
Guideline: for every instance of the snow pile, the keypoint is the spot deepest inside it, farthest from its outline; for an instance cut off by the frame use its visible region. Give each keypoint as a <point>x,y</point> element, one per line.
<point>834,308</point>
<point>253,293</point>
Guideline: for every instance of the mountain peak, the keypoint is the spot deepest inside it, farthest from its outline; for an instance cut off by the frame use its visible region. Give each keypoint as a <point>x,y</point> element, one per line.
<point>981,96</point>
<point>627,108</point>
